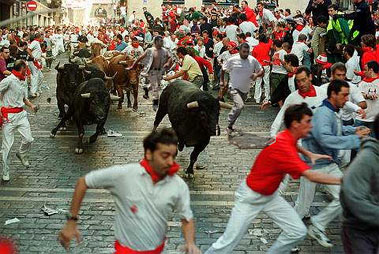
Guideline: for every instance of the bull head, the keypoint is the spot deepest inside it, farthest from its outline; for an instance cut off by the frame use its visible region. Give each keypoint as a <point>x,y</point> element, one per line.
<point>88,61</point>
<point>86,95</point>
<point>123,63</point>
<point>110,78</point>
<point>114,97</point>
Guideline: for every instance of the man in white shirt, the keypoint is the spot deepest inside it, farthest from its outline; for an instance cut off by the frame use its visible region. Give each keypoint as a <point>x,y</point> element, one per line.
<point>243,69</point>
<point>265,17</point>
<point>231,30</point>
<point>35,51</point>
<point>58,42</point>
<point>299,48</point>
<point>145,195</point>
<point>352,64</point>
<point>247,26</point>
<point>14,96</point>
<point>132,17</point>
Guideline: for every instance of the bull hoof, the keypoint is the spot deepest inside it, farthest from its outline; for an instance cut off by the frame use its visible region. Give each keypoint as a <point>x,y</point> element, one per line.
<point>78,150</point>
<point>52,135</point>
<point>63,128</point>
<point>135,109</point>
<point>129,105</point>
<point>190,176</point>
<point>119,106</point>
<point>199,166</point>
<point>92,139</point>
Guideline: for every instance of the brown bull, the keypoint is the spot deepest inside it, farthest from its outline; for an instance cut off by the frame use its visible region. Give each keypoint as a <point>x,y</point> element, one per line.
<point>96,49</point>
<point>125,79</point>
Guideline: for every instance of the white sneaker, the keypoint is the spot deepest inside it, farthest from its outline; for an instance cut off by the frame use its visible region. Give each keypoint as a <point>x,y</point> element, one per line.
<point>6,177</point>
<point>23,160</point>
<point>319,236</point>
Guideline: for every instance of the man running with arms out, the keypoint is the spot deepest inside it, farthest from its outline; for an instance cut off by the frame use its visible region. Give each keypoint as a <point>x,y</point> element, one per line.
<point>145,194</point>
<point>259,192</point>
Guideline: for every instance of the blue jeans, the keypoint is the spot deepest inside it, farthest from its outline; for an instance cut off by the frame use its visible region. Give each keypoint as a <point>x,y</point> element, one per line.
<point>369,125</point>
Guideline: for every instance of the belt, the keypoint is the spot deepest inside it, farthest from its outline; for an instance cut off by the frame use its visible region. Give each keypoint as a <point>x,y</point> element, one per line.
<point>120,249</point>
<point>5,111</point>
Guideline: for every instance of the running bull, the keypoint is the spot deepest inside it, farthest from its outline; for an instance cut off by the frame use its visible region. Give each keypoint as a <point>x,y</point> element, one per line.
<point>193,114</point>
<point>90,105</point>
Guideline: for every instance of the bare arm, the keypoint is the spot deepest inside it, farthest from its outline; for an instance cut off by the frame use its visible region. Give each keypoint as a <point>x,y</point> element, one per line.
<point>176,75</point>
<point>139,59</point>
<point>188,229</point>
<point>30,105</point>
<point>7,73</point>
<point>319,177</point>
<point>70,229</point>
<point>312,156</point>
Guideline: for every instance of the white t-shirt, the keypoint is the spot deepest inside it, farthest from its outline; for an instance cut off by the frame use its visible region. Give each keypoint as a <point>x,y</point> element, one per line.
<point>35,47</point>
<point>142,208</point>
<point>306,30</point>
<point>240,71</point>
<point>372,109</point>
<point>353,65</point>
<point>296,98</point>
<point>132,51</point>
<point>201,50</point>
<point>277,66</point>
<point>225,56</point>
<point>217,48</point>
<point>247,26</point>
<point>298,49</point>
<point>267,18</point>
<point>231,32</point>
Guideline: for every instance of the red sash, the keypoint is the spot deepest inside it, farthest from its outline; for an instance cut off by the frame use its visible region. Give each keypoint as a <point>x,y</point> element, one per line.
<point>120,249</point>
<point>5,111</point>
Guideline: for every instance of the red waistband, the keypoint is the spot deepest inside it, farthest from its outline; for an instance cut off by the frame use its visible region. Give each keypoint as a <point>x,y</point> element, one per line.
<point>5,111</point>
<point>120,249</point>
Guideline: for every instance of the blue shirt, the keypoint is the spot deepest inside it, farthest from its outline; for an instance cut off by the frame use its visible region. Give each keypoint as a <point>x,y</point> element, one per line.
<point>121,46</point>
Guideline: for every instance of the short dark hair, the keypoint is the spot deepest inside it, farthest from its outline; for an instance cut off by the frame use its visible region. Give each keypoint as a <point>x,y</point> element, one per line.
<point>288,10</point>
<point>119,36</point>
<point>164,136</point>
<point>244,45</point>
<point>241,35</point>
<point>278,43</point>
<point>296,113</point>
<point>338,66</point>
<point>248,34</point>
<point>3,48</point>
<point>243,17</point>
<point>19,64</point>
<point>182,50</point>
<point>376,126</point>
<point>336,86</point>
<point>349,49</point>
<point>262,38</point>
<point>292,59</point>
<point>374,66</point>
<point>303,69</point>
<point>333,6</point>
<point>369,40</point>
<point>322,19</point>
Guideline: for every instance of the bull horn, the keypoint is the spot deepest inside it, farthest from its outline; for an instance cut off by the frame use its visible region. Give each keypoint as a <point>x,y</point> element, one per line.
<point>88,61</point>
<point>81,66</point>
<point>110,78</point>
<point>114,97</point>
<point>59,67</point>
<point>86,95</point>
<point>225,105</point>
<point>108,58</point>
<point>88,72</point>
<point>123,62</point>
<point>193,104</point>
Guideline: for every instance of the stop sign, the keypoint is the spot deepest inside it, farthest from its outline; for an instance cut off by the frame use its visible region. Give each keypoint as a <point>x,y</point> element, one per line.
<point>31,5</point>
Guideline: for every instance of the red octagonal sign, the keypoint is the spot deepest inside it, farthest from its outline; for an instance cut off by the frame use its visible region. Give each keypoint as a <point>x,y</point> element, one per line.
<point>31,5</point>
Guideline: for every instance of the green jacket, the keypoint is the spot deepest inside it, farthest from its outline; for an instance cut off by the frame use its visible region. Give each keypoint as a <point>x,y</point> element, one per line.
<point>360,188</point>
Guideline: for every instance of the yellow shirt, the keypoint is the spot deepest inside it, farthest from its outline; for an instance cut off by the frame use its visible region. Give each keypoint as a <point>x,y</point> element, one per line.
<point>192,67</point>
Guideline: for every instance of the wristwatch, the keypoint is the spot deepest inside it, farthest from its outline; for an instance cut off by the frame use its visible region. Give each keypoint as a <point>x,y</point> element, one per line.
<point>69,216</point>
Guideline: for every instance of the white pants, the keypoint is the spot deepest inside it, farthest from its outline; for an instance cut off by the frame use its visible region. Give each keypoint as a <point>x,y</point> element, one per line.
<point>20,123</point>
<point>258,85</point>
<point>238,104</point>
<point>247,206</point>
<point>36,78</point>
<point>59,47</point>
<point>307,193</point>
<point>155,78</point>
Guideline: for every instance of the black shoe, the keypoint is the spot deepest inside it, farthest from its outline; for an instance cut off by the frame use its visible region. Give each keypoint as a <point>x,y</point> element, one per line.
<point>146,95</point>
<point>155,105</point>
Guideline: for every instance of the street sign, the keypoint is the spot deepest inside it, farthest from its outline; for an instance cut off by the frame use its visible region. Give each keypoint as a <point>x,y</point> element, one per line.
<point>31,5</point>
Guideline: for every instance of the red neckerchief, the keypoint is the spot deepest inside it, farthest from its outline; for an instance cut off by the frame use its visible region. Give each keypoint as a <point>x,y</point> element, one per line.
<point>291,74</point>
<point>205,40</point>
<point>299,27</point>
<point>370,80</point>
<point>135,45</point>
<point>18,75</point>
<point>310,93</point>
<point>260,13</point>
<point>154,176</point>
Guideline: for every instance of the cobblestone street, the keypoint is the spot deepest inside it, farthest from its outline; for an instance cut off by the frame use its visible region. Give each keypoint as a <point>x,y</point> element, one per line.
<point>55,169</point>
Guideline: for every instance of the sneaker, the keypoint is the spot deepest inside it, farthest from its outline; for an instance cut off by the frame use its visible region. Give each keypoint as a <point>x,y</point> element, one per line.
<point>319,236</point>
<point>295,249</point>
<point>146,95</point>
<point>229,131</point>
<point>23,160</point>
<point>6,177</point>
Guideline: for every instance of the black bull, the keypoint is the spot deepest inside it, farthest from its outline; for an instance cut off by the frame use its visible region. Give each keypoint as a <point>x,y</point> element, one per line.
<point>90,105</point>
<point>193,114</point>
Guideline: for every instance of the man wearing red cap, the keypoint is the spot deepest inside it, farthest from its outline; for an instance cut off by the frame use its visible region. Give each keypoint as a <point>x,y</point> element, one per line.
<point>145,195</point>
